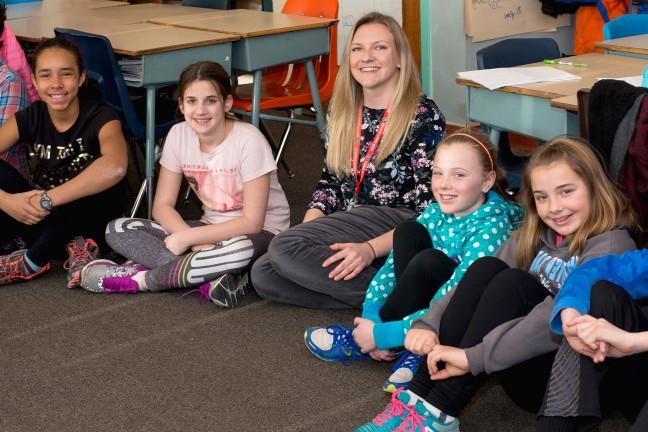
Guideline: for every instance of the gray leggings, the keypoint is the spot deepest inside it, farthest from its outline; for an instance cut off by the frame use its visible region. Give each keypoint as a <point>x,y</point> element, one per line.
<point>142,241</point>
<point>292,272</point>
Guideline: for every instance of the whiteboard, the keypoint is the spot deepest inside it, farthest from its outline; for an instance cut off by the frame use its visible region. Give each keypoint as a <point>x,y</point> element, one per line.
<point>491,19</point>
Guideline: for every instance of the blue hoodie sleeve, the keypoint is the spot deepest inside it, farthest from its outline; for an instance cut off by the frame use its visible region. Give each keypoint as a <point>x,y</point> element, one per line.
<point>629,270</point>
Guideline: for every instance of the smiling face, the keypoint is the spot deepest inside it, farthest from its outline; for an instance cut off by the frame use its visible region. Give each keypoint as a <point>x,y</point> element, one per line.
<point>57,79</point>
<point>204,109</point>
<point>374,58</point>
<point>458,179</point>
<point>561,197</point>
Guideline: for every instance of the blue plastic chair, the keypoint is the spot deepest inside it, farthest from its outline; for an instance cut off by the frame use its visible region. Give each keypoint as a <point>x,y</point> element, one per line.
<point>626,25</point>
<point>509,53</point>
<point>101,66</point>
<point>212,4</point>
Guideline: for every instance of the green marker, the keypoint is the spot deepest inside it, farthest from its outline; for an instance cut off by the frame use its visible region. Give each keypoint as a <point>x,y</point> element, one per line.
<point>565,63</point>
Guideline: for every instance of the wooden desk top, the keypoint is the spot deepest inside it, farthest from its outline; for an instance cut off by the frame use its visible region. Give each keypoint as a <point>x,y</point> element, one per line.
<point>127,39</point>
<point>147,12</point>
<point>599,66</point>
<point>37,8</point>
<point>248,23</point>
<point>632,44</point>
<point>148,40</point>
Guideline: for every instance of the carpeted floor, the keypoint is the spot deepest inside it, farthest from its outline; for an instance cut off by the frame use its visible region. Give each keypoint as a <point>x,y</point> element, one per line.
<point>72,361</point>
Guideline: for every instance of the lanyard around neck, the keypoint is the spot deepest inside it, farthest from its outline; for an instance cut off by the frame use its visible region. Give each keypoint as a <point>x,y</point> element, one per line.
<point>359,175</point>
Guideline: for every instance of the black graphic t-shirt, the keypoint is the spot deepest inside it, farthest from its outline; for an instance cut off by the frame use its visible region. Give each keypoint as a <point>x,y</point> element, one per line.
<point>60,156</point>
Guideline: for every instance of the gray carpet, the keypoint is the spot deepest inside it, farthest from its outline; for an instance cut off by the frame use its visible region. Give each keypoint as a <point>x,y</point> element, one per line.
<point>76,361</point>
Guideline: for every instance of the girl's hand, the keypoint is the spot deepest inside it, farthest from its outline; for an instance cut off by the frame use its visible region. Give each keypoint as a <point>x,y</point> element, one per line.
<point>456,362</point>
<point>382,355</point>
<point>363,334</point>
<point>355,257</point>
<point>196,248</point>
<point>570,332</point>
<point>24,208</point>
<point>421,341</point>
<point>176,243</point>
<point>609,340</point>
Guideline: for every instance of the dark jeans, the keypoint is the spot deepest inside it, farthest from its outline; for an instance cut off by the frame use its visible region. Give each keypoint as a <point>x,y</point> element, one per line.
<point>86,217</point>
<point>420,271</point>
<point>489,294</point>
<point>580,392</point>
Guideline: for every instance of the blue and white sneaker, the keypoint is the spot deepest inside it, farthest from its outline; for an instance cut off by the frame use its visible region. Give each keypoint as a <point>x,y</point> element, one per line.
<point>333,343</point>
<point>403,372</point>
<point>391,417</point>
<point>420,419</point>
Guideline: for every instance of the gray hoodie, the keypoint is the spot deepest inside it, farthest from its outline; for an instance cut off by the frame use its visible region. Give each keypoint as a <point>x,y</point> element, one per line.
<point>527,337</point>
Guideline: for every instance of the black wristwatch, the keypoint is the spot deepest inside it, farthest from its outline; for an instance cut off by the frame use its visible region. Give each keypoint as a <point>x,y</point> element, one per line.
<point>45,201</point>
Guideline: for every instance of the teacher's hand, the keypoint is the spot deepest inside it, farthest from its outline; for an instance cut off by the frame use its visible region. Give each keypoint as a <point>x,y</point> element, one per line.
<point>353,257</point>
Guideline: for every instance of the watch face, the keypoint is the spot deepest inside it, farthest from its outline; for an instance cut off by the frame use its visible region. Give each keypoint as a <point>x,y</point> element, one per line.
<point>45,202</point>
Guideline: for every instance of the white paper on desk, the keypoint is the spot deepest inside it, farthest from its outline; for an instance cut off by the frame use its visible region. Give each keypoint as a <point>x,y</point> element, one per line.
<point>495,78</point>
<point>636,81</point>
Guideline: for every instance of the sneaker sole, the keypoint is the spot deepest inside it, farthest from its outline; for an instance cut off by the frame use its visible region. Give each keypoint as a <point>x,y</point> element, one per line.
<point>74,279</point>
<point>228,292</point>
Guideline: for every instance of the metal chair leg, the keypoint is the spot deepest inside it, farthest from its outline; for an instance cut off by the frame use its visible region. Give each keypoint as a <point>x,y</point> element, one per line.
<point>273,144</point>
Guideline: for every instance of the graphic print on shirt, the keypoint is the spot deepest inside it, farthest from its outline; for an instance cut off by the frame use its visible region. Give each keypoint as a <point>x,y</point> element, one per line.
<point>220,190</point>
<point>552,271</point>
<point>51,157</point>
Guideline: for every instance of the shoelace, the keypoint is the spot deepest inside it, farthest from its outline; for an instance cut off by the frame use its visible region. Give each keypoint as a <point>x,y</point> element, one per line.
<point>411,423</point>
<point>407,360</point>
<point>395,408</point>
<point>77,253</point>
<point>343,336</point>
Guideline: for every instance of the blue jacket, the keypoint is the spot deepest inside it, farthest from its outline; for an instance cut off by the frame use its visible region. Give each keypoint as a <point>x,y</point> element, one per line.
<point>629,270</point>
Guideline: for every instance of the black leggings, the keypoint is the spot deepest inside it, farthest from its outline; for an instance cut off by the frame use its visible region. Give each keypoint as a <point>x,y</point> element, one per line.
<point>583,391</point>
<point>420,271</point>
<point>489,294</point>
<point>86,217</point>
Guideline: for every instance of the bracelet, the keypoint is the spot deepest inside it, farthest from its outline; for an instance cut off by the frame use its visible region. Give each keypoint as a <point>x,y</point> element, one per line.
<point>373,251</point>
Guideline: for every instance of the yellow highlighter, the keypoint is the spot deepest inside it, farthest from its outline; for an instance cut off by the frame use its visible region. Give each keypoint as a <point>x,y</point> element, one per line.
<point>564,63</point>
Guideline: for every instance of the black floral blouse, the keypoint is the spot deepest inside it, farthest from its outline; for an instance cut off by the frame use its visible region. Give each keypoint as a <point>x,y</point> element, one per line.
<point>401,180</point>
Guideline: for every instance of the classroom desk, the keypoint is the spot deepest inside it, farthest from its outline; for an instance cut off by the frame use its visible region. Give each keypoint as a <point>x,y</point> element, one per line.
<point>544,110</point>
<point>268,39</point>
<point>164,51</point>
<point>38,8</point>
<point>632,46</point>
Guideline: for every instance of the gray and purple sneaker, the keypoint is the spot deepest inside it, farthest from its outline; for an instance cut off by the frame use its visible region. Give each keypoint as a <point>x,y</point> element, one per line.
<point>105,276</point>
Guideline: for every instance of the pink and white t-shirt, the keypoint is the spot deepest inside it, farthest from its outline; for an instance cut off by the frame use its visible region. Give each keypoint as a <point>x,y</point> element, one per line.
<point>217,177</point>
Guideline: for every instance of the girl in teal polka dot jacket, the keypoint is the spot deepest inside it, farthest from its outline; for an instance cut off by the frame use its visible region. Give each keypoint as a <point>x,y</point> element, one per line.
<point>471,218</point>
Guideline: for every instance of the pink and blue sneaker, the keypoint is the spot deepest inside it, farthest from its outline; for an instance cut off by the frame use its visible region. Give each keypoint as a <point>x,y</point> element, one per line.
<point>391,417</point>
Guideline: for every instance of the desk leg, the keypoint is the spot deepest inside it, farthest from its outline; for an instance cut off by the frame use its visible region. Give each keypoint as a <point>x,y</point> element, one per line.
<point>494,135</point>
<point>256,97</point>
<point>317,104</point>
<point>150,147</point>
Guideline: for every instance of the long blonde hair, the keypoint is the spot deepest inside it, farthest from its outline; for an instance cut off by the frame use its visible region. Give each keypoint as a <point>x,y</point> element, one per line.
<point>610,209</point>
<point>347,100</point>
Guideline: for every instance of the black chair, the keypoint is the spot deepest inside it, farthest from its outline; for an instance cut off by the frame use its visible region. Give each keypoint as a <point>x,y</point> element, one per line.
<point>101,66</point>
<point>509,53</point>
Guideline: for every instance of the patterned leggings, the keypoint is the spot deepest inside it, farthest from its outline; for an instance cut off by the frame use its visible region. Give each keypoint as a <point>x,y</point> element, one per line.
<point>142,241</point>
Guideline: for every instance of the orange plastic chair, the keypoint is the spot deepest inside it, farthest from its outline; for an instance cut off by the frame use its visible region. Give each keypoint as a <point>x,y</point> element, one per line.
<point>286,86</point>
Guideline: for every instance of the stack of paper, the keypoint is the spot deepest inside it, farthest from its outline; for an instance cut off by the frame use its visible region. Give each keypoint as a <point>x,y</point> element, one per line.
<point>495,78</point>
<point>131,68</point>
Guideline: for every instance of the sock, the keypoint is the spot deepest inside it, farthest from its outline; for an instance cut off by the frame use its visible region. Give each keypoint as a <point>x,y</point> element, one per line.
<point>436,412</point>
<point>31,267</point>
<point>140,278</point>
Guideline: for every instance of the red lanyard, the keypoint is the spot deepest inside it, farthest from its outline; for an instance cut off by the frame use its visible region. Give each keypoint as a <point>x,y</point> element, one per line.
<point>359,176</point>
